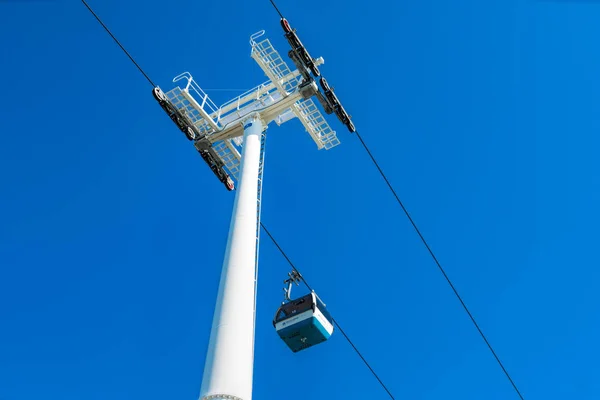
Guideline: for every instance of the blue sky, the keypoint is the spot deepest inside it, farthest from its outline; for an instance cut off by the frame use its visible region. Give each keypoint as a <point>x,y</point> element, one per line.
<point>484,115</point>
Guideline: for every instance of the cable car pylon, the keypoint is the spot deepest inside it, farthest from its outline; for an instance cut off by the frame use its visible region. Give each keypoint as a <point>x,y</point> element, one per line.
<point>230,139</point>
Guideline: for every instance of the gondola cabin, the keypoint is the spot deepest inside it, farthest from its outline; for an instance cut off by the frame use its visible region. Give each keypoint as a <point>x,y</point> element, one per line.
<point>303,322</point>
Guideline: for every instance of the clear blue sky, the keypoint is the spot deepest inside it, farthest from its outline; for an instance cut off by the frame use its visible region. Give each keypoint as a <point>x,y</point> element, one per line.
<point>484,114</point>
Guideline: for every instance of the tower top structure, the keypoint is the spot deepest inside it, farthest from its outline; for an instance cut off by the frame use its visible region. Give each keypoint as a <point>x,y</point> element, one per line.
<point>287,94</point>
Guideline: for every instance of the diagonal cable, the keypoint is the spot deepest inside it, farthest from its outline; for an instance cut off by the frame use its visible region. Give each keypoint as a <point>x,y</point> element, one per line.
<point>430,252</point>
<point>119,43</point>
<point>261,224</point>
<point>439,265</point>
<point>334,320</point>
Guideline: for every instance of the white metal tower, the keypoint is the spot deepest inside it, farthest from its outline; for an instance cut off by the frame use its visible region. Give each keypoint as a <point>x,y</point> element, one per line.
<point>236,131</point>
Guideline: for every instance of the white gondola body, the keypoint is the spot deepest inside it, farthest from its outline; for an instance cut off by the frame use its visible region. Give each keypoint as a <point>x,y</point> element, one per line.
<point>305,328</point>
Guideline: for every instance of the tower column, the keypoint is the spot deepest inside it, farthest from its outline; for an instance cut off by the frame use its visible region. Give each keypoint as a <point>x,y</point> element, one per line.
<point>229,363</point>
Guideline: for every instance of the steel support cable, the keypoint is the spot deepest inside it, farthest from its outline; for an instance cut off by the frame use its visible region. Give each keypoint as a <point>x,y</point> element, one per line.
<point>261,224</point>
<point>334,320</point>
<point>119,43</point>
<point>430,252</point>
<point>276,9</point>
<point>439,265</point>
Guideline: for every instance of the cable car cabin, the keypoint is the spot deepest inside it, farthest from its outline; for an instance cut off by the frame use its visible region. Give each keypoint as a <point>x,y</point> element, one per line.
<point>303,322</point>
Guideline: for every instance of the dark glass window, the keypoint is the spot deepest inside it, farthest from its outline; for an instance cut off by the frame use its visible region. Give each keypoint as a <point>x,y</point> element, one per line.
<point>294,307</point>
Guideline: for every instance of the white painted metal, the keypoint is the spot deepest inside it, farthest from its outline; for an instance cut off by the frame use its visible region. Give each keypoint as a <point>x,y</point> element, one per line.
<point>304,316</point>
<point>272,64</point>
<point>269,112</point>
<point>315,124</point>
<point>307,112</point>
<point>228,151</point>
<point>228,370</point>
<point>261,170</point>
<point>236,131</point>
<point>276,100</point>
<point>220,123</point>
